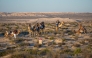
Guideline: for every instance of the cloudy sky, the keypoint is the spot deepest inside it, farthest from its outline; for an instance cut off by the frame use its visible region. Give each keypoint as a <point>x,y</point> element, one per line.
<point>45,5</point>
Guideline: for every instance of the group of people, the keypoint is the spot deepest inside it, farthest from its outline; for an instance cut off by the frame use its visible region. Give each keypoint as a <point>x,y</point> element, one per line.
<point>39,28</point>
<point>36,28</point>
<point>81,29</point>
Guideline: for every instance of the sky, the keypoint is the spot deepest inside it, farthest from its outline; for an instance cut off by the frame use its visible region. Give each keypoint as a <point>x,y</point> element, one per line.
<point>45,5</point>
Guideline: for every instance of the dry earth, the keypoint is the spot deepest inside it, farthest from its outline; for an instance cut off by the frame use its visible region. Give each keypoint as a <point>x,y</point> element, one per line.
<point>64,41</point>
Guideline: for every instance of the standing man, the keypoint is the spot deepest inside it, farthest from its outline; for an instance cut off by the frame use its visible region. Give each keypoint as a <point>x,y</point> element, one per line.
<point>57,23</point>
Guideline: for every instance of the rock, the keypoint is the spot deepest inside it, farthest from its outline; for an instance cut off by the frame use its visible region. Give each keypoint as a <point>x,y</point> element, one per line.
<point>50,40</point>
<point>86,37</point>
<point>42,48</point>
<point>35,40</point>
<point>86,41</point>
<point>73,48</point>
<point>58,41</point>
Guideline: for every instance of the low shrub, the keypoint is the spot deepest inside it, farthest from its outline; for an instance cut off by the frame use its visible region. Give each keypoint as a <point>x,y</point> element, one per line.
<point>3,53</point>
<point>43,52</point>
<point>77,51</point>
<point>17,40</point>
<point>22,55</point>
<point>51,38</point>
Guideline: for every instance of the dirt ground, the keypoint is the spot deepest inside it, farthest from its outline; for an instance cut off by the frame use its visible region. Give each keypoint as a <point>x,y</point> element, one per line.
<point>55,40</point>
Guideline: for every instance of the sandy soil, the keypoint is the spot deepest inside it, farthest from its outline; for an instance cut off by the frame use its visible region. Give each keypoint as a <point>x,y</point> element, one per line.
<point>46,20</point>
<point>63,33</point>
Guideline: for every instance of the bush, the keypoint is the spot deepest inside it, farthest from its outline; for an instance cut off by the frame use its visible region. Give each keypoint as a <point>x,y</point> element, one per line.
<point>24,44</point>
<point>18,56</point>
<point>77,51</point>
<point>22,55</point>
<point>51,38</point>
<point>77,45</point>
<point>18,40</point>
<point>33,51</point>
<point>67,50</point>
<point>3,53</point>
<point>43,52</point>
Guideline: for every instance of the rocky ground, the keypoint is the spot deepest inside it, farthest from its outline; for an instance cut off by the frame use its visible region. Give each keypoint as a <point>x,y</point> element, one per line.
<point>61,44</point>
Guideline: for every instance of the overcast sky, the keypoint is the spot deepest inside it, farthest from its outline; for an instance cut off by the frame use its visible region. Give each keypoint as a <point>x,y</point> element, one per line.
<point>45,5</point>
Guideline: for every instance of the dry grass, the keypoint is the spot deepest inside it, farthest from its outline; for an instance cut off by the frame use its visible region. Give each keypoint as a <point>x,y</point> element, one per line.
<point>65,33</point>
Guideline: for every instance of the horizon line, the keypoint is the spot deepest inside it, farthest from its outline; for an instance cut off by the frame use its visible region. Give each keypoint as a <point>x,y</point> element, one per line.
<point>45,12</point>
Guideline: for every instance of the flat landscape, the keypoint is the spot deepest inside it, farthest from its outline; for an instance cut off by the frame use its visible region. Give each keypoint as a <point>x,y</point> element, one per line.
<point>66,42</point>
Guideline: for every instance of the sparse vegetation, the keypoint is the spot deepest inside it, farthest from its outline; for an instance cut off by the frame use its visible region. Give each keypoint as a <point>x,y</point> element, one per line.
<point>52,38</point>
<point>6,52</point>
<point>21,46</point>
<point>17,40</point>
<point>77,51</point>
<point>43,52</point>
